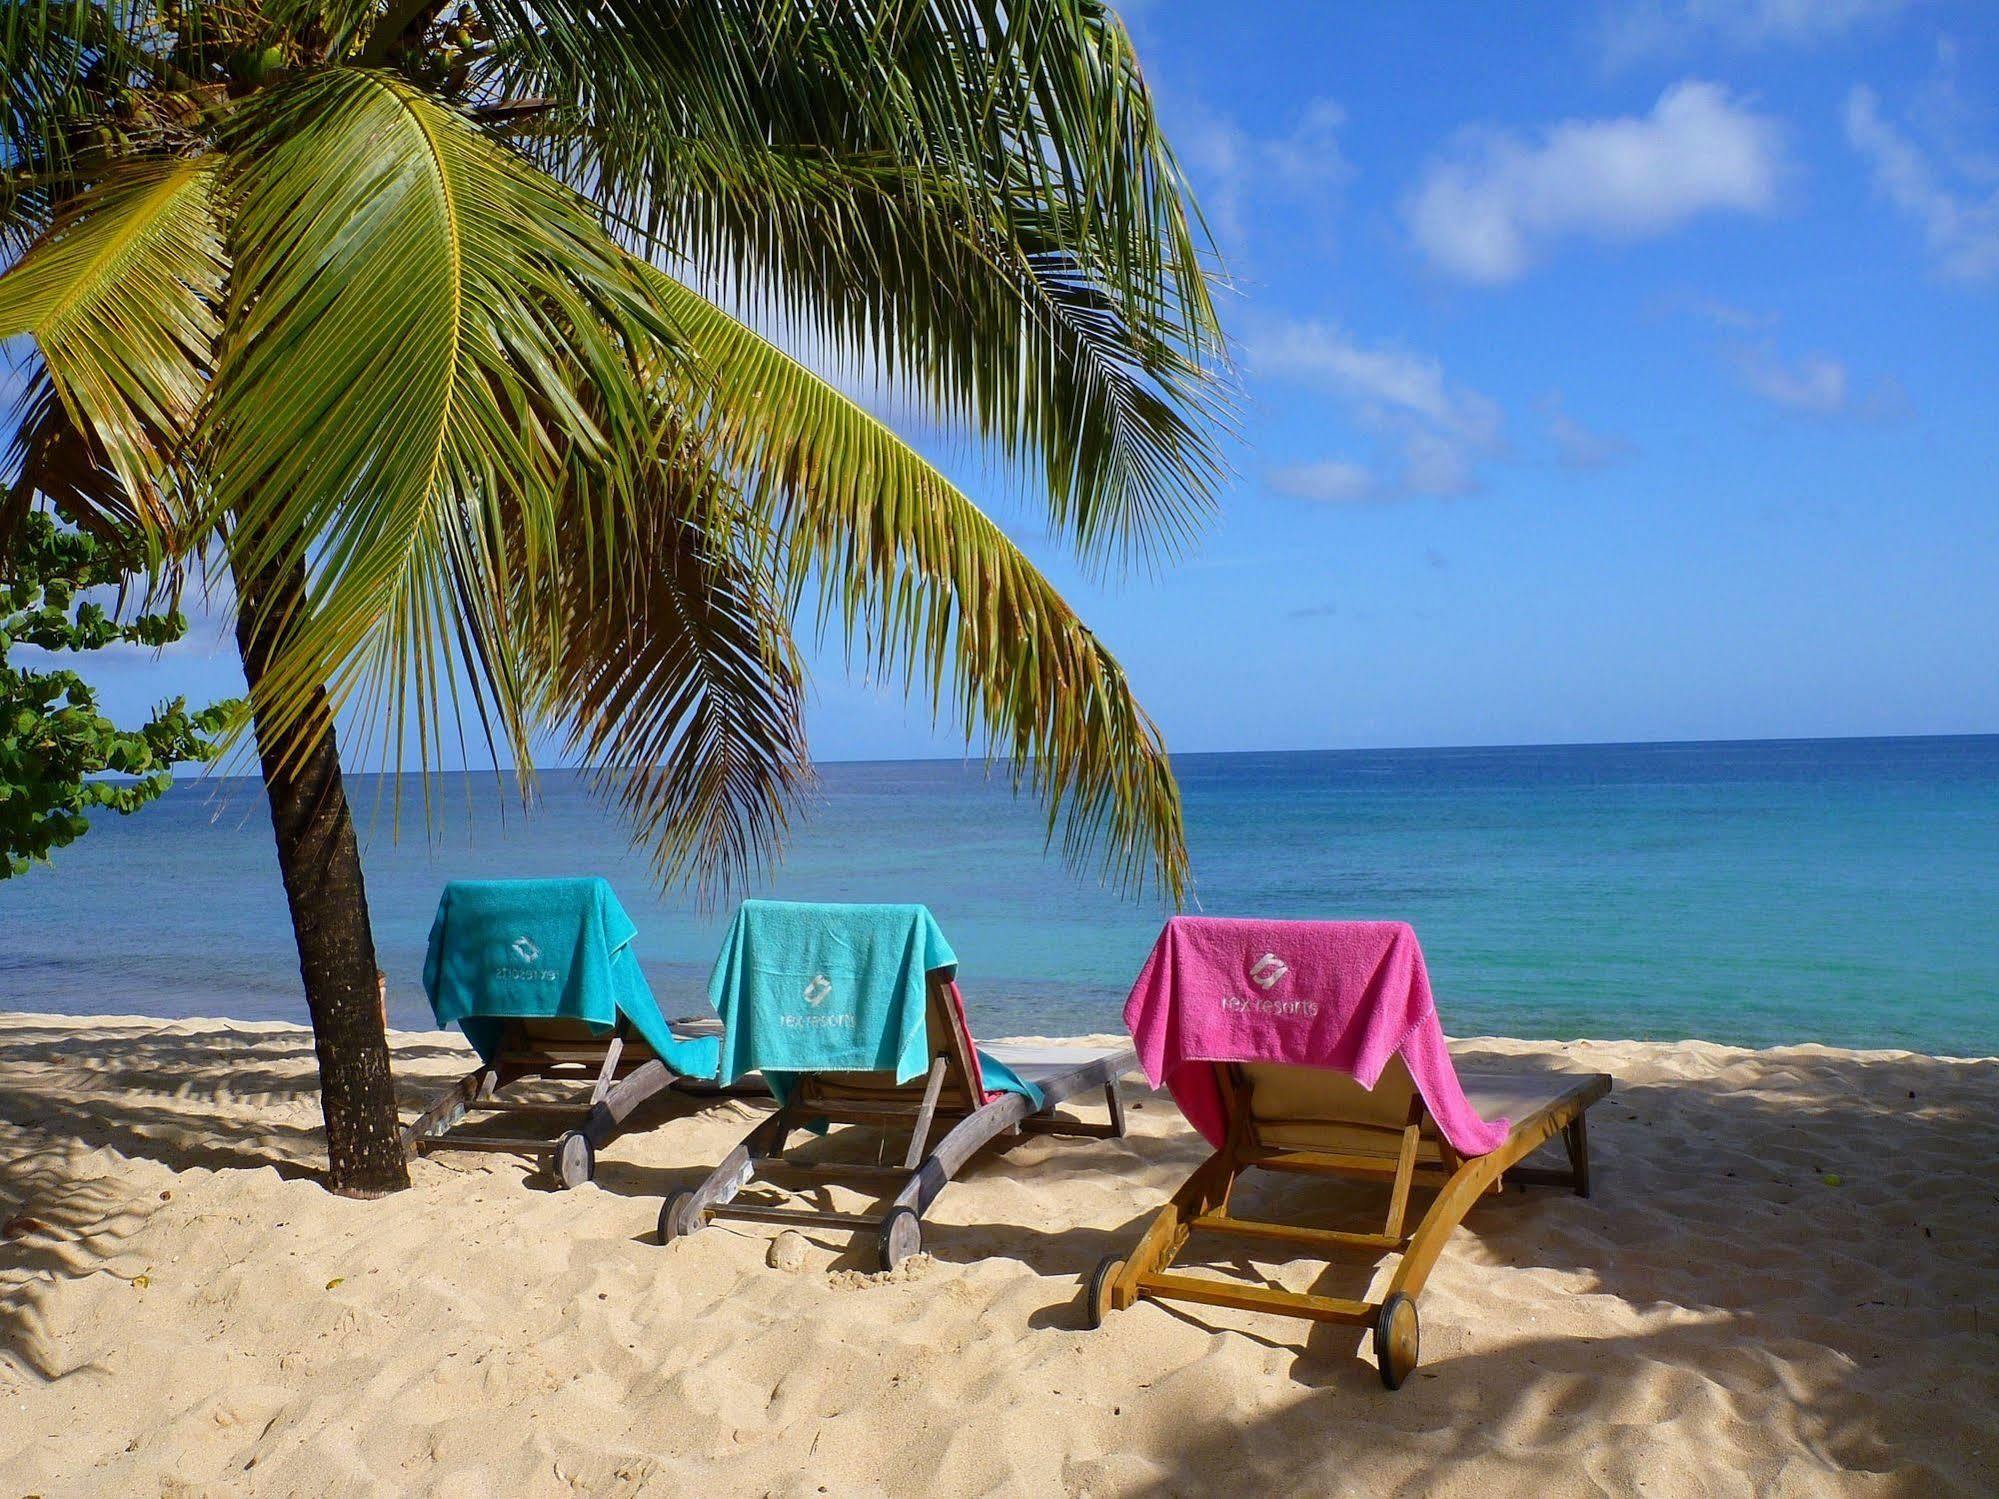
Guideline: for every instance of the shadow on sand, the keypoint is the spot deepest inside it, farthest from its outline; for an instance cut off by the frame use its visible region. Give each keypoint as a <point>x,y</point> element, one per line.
<point>1806,1240</point>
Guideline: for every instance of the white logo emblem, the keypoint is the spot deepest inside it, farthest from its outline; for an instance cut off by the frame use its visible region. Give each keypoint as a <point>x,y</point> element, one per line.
<point>817,990</point>
<point>524,949</point>
<point>1267,970</point>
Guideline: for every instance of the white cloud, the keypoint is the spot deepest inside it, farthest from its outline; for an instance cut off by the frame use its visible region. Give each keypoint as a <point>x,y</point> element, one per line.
<point>1234,170</point>
<point>1437,430</point>
<point>1811,384</point>
<point>1333,481</point>
<point>1499,201</point>
<point>1436,464</point>
<point>1381,378</point>
<point>1951,194</point>
<point>1815,385</point>
<point>1729,315</point>
<point>1652,28</point>
<point>1577,446</point>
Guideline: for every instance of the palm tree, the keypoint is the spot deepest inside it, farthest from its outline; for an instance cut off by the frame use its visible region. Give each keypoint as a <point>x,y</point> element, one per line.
<point>410,316</point>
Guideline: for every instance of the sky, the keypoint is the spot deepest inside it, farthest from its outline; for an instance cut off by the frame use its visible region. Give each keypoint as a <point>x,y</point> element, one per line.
<point>1623,372</point>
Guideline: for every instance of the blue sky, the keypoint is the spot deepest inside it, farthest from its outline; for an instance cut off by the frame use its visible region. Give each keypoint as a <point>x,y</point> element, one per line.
<point>1628,375</point>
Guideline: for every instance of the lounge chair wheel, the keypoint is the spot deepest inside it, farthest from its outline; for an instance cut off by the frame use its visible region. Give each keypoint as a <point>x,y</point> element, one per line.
<point>678,1216</point>
<point>901,1236</point>
<point>1097,1301</point>
<point>575,1159</point>
<point>1396,1339</point>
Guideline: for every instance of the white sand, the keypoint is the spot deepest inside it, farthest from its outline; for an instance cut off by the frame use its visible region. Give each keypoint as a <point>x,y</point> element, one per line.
<point>184,1316</point>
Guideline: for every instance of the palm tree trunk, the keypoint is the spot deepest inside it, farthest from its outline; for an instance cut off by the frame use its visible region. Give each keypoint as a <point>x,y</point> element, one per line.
<point>321,863</point>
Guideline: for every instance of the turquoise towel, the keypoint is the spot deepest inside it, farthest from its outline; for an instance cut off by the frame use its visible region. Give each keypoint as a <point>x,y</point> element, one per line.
<point>832,988</point>
<point>545,949</point>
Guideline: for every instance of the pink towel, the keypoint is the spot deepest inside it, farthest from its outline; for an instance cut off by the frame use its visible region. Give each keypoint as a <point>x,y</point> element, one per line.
<point>1347,995</point>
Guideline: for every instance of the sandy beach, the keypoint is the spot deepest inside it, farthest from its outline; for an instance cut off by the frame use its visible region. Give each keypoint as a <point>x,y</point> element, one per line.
<point>1786,1283</point>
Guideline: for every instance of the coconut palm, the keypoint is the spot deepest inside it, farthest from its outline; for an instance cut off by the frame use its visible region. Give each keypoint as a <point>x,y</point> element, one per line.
<point>429,324</point>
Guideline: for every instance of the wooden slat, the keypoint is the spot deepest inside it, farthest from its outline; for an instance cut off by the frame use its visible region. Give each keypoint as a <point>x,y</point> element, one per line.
<point>511,1144</point>
<point>1255,1299</point>
<point>1321,1163</point>
<point>1293,1233</point>
<point>524,1106</point>
<point>754,1214</point>
<point>830,1168</point>
<point>895,1114</point>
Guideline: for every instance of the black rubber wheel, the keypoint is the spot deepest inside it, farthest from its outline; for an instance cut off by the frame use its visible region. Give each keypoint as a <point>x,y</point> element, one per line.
<point>675,1219</point>
<point>1397,1339</point>
<point>901,1236</point>
<point>575,1159</point>
<point>1097,1297</point>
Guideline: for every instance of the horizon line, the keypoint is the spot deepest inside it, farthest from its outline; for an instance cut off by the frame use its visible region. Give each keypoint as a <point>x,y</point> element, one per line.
<point>1175,755</point>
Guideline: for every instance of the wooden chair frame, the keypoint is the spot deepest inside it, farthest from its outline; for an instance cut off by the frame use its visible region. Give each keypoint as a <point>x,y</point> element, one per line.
<point>623,1072</point>
<point>948,1099</point>
<point>1203,1204</point>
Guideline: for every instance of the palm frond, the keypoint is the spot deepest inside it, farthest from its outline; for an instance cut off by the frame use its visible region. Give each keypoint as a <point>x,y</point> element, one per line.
<point>974,195</point>
<point>926,586</point>
<point>120,297</point>
<point>413,318</point>
<point>50,458</point>
<point>675,677</point>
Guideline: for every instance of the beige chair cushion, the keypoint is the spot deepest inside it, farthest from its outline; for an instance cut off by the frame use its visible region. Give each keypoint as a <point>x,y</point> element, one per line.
<point>1309,1108</point>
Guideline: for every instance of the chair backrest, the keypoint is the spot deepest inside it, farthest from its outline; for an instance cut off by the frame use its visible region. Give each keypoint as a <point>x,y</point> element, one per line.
<point>574,1039</point>
<point>1295,1107</point>
<point>1317,1095</point>
<point>949,1038</point>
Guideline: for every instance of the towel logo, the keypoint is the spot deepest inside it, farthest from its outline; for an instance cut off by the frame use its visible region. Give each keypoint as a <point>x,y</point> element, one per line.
<point>523,947</point>
<point>1267,972</point>
<point>815,994</point>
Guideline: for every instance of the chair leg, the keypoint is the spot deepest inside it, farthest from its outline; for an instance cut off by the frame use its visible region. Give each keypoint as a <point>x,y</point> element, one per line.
<point>449,1107</point>
<point>604,1073</point>
<point>1202,1192</point>
<point>919,1136</point>
<point>1405,1174</point>
<point>1576,1136</point>
<point>688,1210</point>
<point>620,1098</point>
<point>1461,1193</point>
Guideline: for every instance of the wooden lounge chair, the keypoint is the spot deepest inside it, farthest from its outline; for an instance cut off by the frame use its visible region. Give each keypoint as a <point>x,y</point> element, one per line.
<point>1321,1122</point>
<point>623,1072</point>
<point>948,1098</point>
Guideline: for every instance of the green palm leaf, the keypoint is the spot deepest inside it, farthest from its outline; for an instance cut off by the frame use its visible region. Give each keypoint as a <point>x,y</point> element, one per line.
<point>924,584</point>
<point>674,675</point>
<point>414,320</point>
<point>120,297</point>
<point>973,194</point>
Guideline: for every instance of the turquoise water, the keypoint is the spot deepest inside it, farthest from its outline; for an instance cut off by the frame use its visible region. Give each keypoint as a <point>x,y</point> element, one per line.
<point>1843,891</point>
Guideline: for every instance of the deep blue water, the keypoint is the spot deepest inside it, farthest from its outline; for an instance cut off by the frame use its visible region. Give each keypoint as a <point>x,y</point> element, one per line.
<point>1844,891</point>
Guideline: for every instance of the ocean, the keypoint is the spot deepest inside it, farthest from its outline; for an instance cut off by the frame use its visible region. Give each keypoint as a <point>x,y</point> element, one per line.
<point>1759,893</point>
